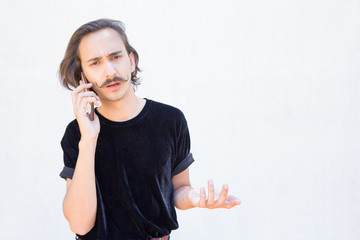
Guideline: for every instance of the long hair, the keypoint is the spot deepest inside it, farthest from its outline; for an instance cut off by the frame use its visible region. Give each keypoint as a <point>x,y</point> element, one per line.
<point>70,67</point>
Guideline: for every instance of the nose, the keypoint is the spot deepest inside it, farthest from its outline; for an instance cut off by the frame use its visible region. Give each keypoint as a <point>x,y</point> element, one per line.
<point>110,70</point>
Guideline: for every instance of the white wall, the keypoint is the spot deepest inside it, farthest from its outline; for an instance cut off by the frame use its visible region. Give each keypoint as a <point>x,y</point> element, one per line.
<point>270,90</point>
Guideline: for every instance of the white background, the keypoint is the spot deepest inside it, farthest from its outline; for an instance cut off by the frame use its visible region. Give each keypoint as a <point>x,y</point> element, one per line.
<point>270,90</point>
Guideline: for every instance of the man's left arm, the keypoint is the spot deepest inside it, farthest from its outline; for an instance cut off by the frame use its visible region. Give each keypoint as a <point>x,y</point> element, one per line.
<point>187,197</point>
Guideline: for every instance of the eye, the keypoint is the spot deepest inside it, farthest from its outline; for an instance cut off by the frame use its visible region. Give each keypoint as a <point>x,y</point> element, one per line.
<point>94,63</point>
<point>116,57</point>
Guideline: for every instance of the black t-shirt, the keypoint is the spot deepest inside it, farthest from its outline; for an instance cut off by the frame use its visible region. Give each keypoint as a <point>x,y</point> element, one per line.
<point>134,163</point>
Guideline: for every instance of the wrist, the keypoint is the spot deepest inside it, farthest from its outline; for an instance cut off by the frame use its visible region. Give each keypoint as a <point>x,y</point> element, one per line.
<point>87,141</point>
<point>183,198</point>
<point>193,197</point>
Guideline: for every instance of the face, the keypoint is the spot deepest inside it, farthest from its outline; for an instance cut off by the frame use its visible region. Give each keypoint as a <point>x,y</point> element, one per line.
<point>103,56</point>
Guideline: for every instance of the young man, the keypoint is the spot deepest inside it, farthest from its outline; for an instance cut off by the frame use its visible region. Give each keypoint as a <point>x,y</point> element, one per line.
<point>127,168</point>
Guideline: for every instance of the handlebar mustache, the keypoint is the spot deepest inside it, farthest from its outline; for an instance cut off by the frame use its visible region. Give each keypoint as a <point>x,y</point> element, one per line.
<point>114,79</point>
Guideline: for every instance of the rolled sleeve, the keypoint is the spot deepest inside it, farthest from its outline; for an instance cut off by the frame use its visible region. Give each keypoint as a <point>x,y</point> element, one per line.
<point>184,164</point>
<point>67,172</point>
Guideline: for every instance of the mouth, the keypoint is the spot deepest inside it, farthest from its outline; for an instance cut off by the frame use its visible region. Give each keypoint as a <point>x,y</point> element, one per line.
<point>113,86</point>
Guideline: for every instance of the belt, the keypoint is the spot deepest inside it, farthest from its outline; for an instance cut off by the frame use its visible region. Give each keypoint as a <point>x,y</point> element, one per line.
<point>162,238</point>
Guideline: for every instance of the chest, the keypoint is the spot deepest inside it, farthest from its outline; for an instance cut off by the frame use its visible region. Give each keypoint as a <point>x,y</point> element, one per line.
<point>135,151</point>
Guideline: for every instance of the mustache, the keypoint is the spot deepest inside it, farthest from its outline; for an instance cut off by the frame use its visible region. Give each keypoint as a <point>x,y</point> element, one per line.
<point>110,80</point>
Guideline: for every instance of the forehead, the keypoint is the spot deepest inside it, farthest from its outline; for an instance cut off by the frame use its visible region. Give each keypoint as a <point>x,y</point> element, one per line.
<point>99,43</point>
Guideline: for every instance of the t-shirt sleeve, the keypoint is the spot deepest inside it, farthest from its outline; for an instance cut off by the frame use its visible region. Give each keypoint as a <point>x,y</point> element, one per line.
<point>183,157</point>
<point>69,145</point>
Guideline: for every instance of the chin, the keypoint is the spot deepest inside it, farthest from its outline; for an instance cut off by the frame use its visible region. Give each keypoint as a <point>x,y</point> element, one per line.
<point>115,97</point>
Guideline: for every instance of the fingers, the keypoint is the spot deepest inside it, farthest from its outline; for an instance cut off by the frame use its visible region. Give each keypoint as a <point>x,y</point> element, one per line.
<point>86,95</point>
<point>223,194</point>
<point>77,90</point>
<point>85,100</point>
<point>82,101</point>
<point>232,201</point>
<point>211,201</point>
<point>82,87</point>
<point>81,90</point>
<point>202,202</point>
<point>81,97</point>
<point>211,194</point>
<point>230,205</point>
<point>231,198</point>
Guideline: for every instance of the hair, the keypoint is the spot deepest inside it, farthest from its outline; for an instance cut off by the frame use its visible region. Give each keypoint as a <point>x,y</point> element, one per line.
<point>70,67</point>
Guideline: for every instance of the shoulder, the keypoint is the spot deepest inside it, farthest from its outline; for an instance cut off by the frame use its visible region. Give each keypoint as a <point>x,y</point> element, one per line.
<point>72,127</point>
<point>166,110</point>
<point>70,146</point>
<point>72,133</point>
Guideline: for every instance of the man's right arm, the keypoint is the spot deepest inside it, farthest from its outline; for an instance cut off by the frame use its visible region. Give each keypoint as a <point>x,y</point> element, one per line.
<point>80,202</point>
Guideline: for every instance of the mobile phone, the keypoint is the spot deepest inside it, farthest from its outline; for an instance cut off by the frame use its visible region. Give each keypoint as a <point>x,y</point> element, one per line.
<point>83,78</point>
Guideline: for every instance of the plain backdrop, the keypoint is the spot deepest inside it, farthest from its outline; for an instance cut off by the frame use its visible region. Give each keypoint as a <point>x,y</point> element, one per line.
<point>270,90</point>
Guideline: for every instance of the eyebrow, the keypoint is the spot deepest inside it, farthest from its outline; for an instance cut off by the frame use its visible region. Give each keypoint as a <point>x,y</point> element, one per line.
<point>111,54</point>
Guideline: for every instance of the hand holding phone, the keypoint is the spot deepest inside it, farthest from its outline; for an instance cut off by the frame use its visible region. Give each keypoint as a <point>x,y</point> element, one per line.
<point>83,78</point>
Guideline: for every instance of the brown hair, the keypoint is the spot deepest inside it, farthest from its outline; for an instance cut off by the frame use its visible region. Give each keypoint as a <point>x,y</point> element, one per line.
<point>70,67</point>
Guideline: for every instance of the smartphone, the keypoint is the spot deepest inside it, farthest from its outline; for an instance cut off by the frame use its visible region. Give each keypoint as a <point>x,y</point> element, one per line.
<point>83,78</point>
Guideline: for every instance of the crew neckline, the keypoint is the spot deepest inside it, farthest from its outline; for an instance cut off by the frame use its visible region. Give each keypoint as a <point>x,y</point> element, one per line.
<point>129,122</point>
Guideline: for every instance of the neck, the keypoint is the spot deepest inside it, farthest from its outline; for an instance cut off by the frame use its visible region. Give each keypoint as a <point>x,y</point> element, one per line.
<point>122,110</point>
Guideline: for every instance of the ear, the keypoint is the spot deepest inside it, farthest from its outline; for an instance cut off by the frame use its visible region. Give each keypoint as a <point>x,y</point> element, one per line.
<point>132,61</point>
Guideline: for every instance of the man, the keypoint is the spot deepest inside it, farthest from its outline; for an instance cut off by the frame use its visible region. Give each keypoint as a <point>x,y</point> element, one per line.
<point>127,168</point>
